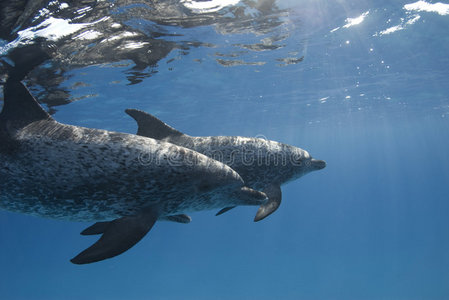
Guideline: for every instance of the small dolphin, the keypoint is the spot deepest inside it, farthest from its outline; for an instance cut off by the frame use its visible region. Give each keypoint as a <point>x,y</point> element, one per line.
<point>73,173</point>
<point>264,165</point>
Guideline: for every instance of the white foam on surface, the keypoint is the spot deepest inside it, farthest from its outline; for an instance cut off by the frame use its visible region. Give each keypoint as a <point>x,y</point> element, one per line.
<point>200,7</point>
<point>439,8</point>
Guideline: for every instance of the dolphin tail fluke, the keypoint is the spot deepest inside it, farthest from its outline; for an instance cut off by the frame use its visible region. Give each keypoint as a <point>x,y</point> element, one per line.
<point>222,211</point>
<point>274,195</point>
<point>118,236</point>
<point>152,127</point>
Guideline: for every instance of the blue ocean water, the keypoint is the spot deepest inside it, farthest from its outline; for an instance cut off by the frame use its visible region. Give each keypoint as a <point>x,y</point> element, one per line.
<point>362,85</point>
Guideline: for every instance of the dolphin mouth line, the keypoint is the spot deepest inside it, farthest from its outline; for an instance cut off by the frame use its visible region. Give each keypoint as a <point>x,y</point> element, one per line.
<point>318,164</point>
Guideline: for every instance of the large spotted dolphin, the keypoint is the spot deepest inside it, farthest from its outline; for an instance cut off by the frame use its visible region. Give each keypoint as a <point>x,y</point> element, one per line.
<point>68,172</point>
<point>263,164</point>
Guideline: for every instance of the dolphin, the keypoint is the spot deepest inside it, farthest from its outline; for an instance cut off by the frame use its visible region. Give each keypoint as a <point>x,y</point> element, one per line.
<point>263,164</point>
<point>125,181</point>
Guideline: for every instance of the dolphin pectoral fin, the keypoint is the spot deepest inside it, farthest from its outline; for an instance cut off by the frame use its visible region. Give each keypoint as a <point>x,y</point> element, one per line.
<point>97,228</point>
<point>150,126</point>
<point>100,227</point>
<point>274,195</point>
<point>119,236</point>
<point>222,211</point>
<point>185,219</point>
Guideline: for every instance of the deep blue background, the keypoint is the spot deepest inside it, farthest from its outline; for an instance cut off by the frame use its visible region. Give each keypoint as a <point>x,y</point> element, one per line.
<point>372,225</point>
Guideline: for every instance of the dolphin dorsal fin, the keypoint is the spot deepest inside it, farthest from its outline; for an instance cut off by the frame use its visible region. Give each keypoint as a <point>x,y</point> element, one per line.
<point>152,127</point>
<point>20,108</point>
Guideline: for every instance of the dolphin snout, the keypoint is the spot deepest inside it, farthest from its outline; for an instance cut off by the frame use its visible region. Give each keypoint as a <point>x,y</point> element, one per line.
<point>318,164</point>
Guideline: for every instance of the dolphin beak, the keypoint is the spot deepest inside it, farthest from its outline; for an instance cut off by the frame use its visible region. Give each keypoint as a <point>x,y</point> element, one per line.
<point>318,164</point>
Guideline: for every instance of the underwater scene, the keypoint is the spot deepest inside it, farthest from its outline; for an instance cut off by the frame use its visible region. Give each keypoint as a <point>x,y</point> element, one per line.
<point>161,149</point>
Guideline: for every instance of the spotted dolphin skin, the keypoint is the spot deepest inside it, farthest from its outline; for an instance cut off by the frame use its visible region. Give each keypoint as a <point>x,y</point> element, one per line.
<point>126,181</point>
<point>264,165</point>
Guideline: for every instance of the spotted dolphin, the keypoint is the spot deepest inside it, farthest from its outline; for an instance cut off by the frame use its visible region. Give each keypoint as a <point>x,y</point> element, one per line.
<point>126,181</point>
<point>263,164</point>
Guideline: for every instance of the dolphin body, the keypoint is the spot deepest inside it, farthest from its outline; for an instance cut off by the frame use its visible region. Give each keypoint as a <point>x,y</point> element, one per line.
<point>263,164</point>
<point>127,181</point>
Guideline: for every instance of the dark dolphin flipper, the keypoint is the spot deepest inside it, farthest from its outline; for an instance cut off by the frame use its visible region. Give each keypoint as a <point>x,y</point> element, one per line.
<point>185,219</point>
<point>100,227</point>
<point>118,236</point>
<point>223,210</point>
<point>97,228</point>
<point>274,200</point>
<point>274,195</point>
